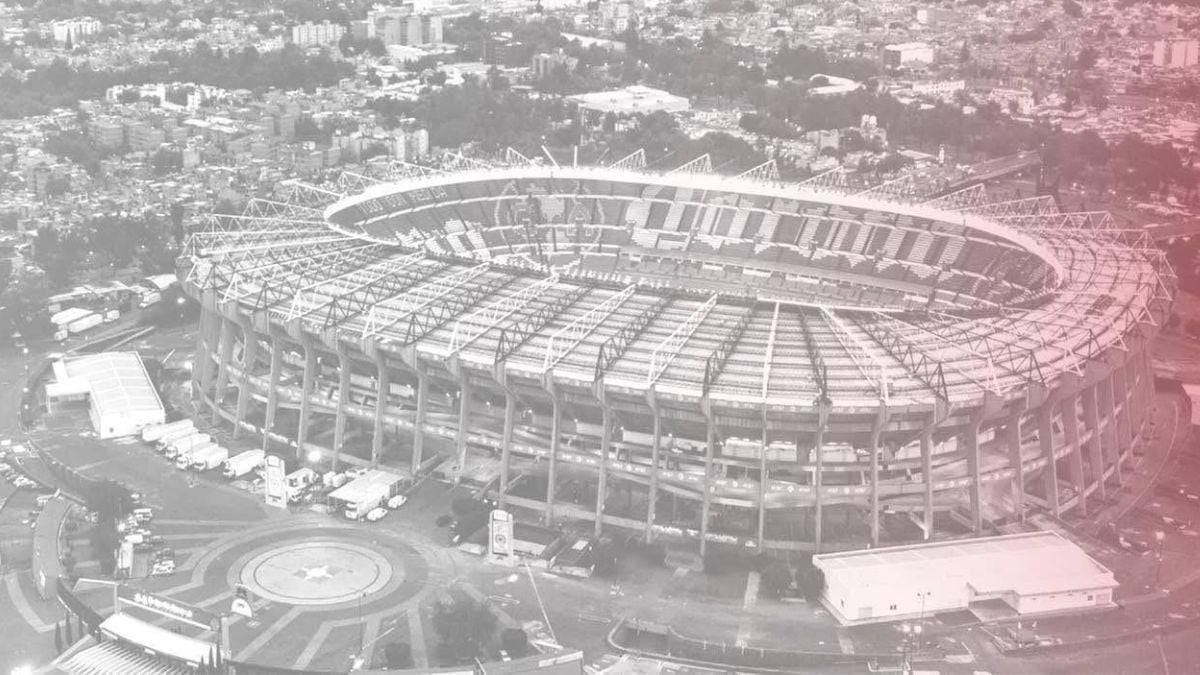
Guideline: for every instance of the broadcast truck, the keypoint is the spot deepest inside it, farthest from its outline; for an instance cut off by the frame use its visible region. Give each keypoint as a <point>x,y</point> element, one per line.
<point>184,456</point>
<point>152,434</point>
<point>244,463</point>
<point>209,458</point>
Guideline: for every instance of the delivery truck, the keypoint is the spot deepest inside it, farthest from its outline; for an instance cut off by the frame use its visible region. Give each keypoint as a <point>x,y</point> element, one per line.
<point>151,434</point>
<point>244,463</point>
<point>84,323</point>
<point>371,499</point>
<point>183,456</point>
<point>209,458</point>
<point>185,444</point>
<point>169,439</point>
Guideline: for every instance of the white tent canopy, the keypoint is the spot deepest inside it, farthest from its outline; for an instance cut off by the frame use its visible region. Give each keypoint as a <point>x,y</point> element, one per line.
<point>159,640</point>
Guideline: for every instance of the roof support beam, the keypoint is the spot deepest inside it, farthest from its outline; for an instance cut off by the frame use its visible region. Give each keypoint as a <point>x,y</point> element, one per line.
<point>702,164</point>
<point>668,349</point>
<point>568,337</point>
<point>966,199</point>
<point>767,171</point>
<point>308,299</point>
<point>634,161</point>
<point>715,363</point>
<point>518,332</point>
<point>471,327</point>
<point>819,369</point>
<point>616,346</point>
<point>867,362</point>
<point>515,158</point>
<point>385,314</point>
<point>768,358</point>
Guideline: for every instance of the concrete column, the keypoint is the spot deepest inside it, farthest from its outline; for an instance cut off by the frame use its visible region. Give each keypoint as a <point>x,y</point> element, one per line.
<point>706,498</point>
<point>222,365</point>
<point>876,437</point>
<point>464,425</point>
<point>971,438</point>
<point>310,374</point>
<point>1068,414</point>
<point>1045,421</point>
<point>1095,445</point>
<point>1012,435</point>
<point>763,477</point>
<point>510,412</point>
<point>652,507</point>
<point>202,363</point>
<point>819,476</point>
<point>1104,401</point>
<point>212,347</point>
<point>384,378</point>
<point>1133,395</point>
<point>552,474</point>
<point>249,355</point>
<point>927,473</point>
<point>419,422</point>
<point>339,422</point>
<point>273,388</point>
<point>602,480</point>
<point>1120,397</point>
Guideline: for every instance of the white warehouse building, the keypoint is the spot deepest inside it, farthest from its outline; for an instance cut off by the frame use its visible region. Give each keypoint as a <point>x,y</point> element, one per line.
<point>1033,573</point>
<point>121,398</point>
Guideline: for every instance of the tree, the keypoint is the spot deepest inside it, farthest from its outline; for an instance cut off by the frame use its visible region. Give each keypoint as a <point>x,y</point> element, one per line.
<point>514,641</point>
<point>964,54</point>
<point>398,656</point>
<point>1088,56</point>
<point>1072,9</point>
<point>776,577</point>
<point>812,583</point>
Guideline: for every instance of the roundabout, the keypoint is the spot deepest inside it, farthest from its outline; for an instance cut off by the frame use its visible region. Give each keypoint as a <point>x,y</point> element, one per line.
<point>317,573</point>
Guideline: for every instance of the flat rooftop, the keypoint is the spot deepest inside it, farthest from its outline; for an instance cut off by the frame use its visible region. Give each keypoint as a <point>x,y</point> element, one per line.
<point>366,485</point>
<point>117,381</point>
<point>1029,564</point>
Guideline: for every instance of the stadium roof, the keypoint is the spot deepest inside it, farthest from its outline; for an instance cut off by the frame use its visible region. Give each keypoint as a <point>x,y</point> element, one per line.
<point>117,381</point>
<point>823,299</point>
<point>1027,564</point>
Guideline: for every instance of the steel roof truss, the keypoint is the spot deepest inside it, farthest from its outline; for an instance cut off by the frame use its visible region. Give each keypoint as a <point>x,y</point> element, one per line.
<point>668,349</point>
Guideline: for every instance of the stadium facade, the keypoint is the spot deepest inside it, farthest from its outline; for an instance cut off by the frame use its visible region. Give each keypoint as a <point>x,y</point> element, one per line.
<point>686,355</point>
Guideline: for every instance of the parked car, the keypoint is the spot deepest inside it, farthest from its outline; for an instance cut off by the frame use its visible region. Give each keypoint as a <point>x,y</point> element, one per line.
<point>376,514</point>
<point>397,501</point>
<point>163,568</point>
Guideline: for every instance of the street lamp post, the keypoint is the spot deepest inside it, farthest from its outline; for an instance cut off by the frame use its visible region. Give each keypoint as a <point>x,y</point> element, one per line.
<point>361,627</point>
<point>921,624</point>
<point>1160,537</point>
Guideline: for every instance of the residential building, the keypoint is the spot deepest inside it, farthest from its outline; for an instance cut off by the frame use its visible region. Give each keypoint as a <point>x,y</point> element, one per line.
<point>1179,53</point>
<point>75,29</point>
<point>317,34</point>
<point>907,55</point>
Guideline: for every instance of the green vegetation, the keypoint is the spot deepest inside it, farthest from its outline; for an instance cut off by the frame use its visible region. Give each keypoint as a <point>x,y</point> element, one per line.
<point>59,86</point>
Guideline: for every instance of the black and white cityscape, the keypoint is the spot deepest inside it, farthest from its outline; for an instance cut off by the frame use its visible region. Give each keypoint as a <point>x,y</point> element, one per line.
<point>606,337</point>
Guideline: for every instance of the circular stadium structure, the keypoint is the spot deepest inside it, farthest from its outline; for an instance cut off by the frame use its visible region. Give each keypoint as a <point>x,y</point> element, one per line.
<point>691,356</point>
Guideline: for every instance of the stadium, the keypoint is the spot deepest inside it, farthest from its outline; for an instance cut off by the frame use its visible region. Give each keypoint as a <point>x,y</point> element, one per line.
<point>696,358</point>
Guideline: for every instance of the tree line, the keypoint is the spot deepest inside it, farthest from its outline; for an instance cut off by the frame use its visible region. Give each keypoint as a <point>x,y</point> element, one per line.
<point>58,85</point>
